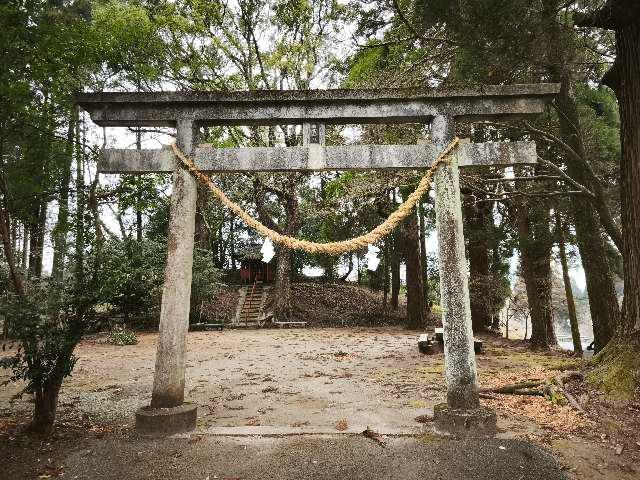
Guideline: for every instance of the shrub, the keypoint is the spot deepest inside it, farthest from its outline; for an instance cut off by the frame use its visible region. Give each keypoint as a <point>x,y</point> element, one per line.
<point>133,276</point>
<point>122,336</point>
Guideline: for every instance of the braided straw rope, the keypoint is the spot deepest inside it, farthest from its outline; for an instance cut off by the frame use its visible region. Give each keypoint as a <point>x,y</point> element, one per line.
<point>330,248</point>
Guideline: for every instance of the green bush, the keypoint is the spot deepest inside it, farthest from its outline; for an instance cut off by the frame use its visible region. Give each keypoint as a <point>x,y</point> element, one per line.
<point>133,276</point>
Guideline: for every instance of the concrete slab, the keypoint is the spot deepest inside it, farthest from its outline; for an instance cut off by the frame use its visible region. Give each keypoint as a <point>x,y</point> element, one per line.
<point>284,431</point>
<point>335,457</point>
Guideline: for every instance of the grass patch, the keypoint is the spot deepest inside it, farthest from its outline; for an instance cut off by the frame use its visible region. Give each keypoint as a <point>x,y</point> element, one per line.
<point>429,438</point>
<point>123,336</point>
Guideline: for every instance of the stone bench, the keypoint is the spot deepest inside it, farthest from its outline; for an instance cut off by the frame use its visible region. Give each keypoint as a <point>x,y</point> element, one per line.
<point>196,327</point>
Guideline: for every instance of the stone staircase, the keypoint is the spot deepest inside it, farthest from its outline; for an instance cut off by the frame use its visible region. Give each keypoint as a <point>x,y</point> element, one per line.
<point>250,311</point>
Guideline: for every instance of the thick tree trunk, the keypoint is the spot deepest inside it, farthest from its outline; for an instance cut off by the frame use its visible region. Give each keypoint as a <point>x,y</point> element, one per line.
<point>628,92</point>
<point>571,306</point>
<point>415,292</point>
<point>535,260</point>
<point>475,231</point>
<point>282,306</point>
<point>604,308</point>
<point>45,406</point>
<point>619,361</point>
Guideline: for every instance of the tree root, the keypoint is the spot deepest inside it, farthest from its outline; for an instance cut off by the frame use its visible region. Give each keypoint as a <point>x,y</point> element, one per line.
<point>552,388</point>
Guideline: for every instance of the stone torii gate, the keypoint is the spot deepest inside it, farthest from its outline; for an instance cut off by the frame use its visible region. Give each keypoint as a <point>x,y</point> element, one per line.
<point>187,112</point>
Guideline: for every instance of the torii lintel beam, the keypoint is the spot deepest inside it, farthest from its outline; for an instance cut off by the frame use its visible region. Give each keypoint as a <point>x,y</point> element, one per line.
<point>317,157</point>
<point>273,107</point>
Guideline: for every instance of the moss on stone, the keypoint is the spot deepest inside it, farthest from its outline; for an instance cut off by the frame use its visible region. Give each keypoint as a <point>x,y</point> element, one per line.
<point>617,369</point>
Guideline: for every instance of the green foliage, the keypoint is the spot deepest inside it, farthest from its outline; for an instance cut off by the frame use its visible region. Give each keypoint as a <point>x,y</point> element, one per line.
<point>46,328</point>
<point>122,336</point>
<point>133,275</point>
<point>205,280</point>
<point>140,192</point>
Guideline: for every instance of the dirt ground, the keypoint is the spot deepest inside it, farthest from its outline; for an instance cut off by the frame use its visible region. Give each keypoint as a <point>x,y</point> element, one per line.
<point>319,379</point>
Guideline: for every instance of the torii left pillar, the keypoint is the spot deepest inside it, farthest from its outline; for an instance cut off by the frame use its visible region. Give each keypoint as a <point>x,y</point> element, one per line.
<point>168,413</point>
<point>462,414</point>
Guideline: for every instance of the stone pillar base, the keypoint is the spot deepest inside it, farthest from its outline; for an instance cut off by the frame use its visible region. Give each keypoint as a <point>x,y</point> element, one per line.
<point>166,421</point>
<point>478,422</point>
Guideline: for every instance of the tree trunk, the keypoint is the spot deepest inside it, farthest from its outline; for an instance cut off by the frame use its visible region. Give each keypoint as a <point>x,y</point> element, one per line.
<point>282,306</point>
<point>62,226</point>
<point>535,259</point>
<point>604,308</point>
<point>80,205</point>
<point>46,405</point>
<point>394,263</point>
<point>24,252</point>
<point>571,306</point>
<point>232,242</point>
<point>344,277</point>
<point>628,92</point>
<point>138,211</point>
<point>16,278</point>
<point>36,246</point>
<point>415,292</point>
<point>385,285</point>
<point>202,235</point>
<point>423,254</point>
<point>620,360</point>
<point>475,231</point>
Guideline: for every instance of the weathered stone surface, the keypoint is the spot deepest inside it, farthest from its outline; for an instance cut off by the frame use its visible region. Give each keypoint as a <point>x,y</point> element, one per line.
<point>317,157</point>
<point>166,421</point>
<point>328,106</point>
<point>476,422</point>
<point>168,382</point>
<point>459,357</point>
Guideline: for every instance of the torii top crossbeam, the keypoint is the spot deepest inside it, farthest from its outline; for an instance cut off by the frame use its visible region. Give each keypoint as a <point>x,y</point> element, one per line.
<point>270,107</point>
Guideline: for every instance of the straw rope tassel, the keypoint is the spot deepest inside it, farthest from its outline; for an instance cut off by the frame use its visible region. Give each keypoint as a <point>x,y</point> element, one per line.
<point>330,248</point>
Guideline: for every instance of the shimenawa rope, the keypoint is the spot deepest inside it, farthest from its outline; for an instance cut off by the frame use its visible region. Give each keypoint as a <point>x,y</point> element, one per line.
<point>330,248</point>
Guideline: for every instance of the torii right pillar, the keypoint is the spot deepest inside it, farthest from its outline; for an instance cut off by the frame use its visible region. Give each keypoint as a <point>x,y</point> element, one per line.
<point>462,414</point>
